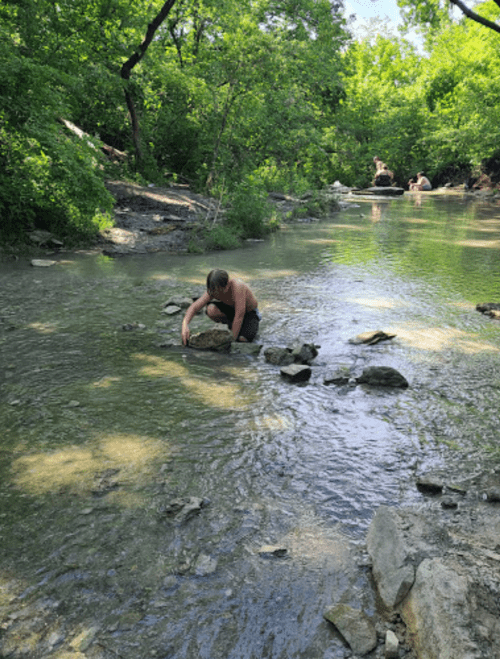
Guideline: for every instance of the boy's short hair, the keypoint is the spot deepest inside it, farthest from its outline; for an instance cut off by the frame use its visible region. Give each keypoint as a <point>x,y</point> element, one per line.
<point>217,279</point>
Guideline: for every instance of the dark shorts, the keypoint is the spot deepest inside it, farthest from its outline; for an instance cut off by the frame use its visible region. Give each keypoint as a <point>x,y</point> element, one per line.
<point>250,324</point>
<point>383,181</point>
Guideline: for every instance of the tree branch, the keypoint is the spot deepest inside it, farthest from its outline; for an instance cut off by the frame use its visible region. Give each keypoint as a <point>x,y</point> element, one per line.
<point>475,17</point>
<point>127,67</point>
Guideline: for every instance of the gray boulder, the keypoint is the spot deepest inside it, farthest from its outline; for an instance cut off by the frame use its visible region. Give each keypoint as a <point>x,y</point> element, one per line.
<point>355,627</point>
<point>441,595</point>
<point>392,572</point>
<point>215,339</point>
<point>382,376</point>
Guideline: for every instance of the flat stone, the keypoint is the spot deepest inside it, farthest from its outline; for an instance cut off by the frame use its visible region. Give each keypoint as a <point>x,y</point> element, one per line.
<point>380,191</point>
<point>296,372</point>
<point>181,301</point>
<point>371,337</point>
<point>205,565</point>
<point>171,310</point>
<point>42,263</point>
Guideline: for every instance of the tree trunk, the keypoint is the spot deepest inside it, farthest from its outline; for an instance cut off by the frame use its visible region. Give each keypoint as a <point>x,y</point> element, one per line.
<point>126,71</point>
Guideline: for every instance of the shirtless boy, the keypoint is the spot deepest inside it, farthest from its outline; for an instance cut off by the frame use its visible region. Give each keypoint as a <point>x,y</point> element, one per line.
<point>228,301</point>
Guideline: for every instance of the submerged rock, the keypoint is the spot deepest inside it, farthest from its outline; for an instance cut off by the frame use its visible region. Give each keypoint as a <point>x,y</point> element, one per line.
<point>181,301</point>
<point>278,356</point>
<point>180,510</point>
<point>245,348</point>
<point>341,376</point>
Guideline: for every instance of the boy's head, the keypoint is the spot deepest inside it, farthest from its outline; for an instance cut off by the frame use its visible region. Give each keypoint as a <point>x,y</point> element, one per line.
<point>216,279</point>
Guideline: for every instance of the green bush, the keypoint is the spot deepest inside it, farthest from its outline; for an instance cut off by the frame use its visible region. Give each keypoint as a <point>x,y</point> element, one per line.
<point>249,212</point>
<point>220,236</point>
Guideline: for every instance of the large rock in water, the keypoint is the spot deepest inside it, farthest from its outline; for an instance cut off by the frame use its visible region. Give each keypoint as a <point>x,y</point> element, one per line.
<point>214,339</point>
<point>376,190</point>
<point>382,376</point>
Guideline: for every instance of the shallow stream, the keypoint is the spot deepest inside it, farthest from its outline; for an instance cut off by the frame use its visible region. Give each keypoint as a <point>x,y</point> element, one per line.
<point>102,428</point>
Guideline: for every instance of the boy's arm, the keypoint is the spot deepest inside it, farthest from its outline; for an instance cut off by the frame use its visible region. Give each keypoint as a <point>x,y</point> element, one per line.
<point>190,313</point>
<point>240,301</point>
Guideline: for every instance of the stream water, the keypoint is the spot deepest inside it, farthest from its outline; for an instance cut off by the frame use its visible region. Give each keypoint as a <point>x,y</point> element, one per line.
<point>101,428</point>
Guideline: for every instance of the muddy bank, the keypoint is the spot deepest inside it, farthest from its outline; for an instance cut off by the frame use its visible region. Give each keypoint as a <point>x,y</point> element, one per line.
<point>153,219</point>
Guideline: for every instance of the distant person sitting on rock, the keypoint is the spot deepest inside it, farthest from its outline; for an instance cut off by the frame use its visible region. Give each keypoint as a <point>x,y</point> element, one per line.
<point>383,175</point>
<point>228,301</point>
<point>422,183</point>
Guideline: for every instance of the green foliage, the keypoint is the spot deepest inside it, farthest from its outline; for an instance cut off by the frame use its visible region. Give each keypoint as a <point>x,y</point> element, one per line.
<point>47,178</point>
<point>246,96</point>
<point>219,236</point>
<point>249,211</point>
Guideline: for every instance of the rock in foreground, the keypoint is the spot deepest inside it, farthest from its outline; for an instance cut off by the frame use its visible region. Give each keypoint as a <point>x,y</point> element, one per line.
<point>214,339</point>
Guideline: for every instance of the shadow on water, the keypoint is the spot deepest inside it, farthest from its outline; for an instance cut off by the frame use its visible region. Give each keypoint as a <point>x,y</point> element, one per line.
<point>103,429</point>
